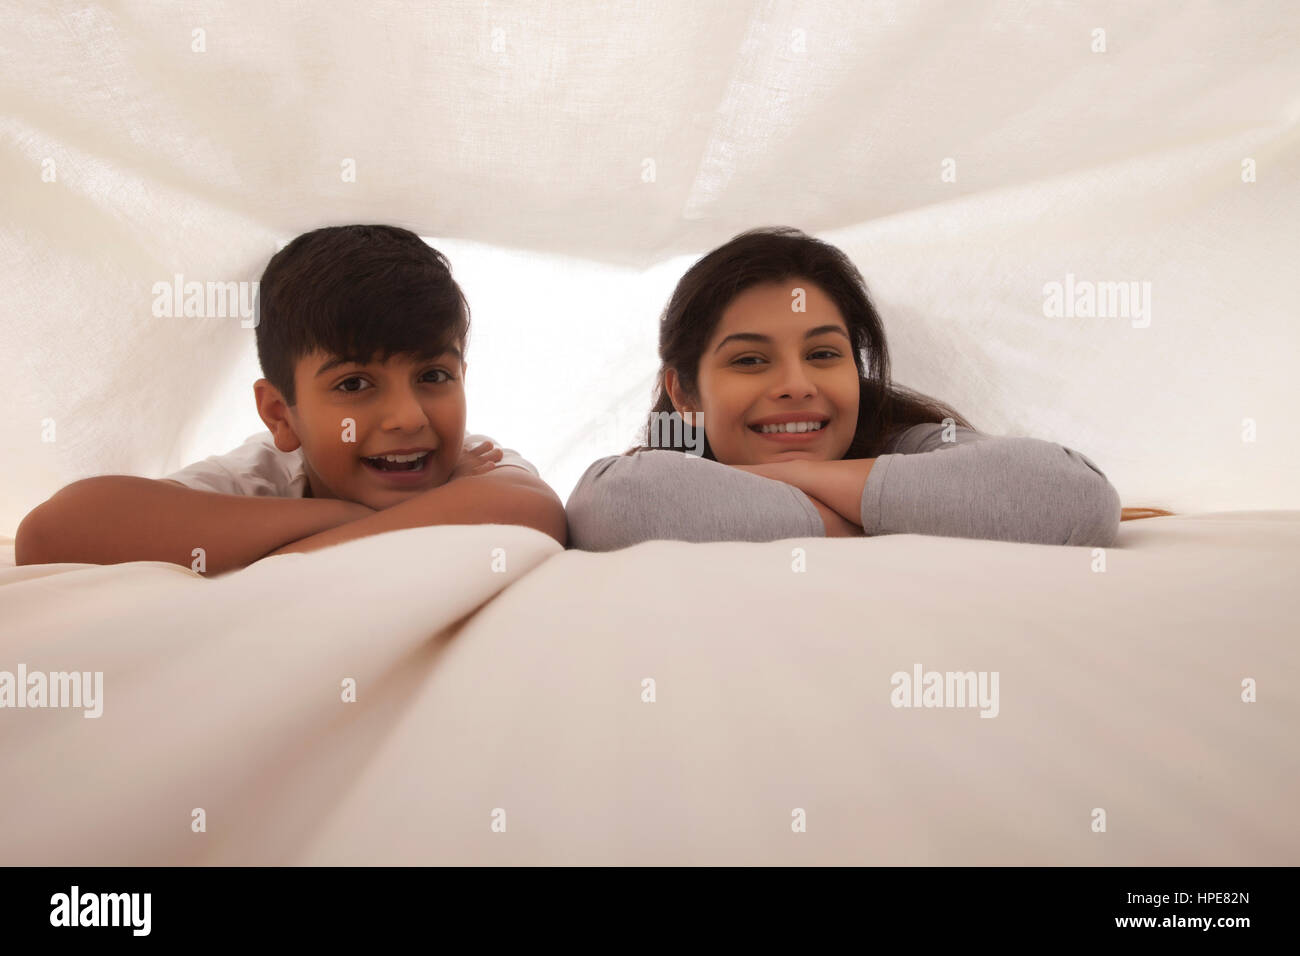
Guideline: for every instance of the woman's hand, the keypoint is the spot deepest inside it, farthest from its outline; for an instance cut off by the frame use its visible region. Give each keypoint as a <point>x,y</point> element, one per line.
<point>478,460</point>
<point>790,472</point>
<point>837,526</point>
<point>837,485</point>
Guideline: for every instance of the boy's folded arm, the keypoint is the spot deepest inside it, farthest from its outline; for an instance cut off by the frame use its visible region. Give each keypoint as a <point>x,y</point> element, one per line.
<point>501,496</point>
<point>114,518</point>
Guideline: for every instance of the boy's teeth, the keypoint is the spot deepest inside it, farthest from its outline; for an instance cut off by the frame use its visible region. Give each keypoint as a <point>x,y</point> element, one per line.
<point>791,427</point>
<point>398,462</point>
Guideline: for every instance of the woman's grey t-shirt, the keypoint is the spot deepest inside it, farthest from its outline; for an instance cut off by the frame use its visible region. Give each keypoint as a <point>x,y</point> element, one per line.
<point>971,486</point>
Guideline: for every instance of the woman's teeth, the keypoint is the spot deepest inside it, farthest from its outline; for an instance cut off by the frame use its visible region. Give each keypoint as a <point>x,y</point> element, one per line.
<point>790,427</point>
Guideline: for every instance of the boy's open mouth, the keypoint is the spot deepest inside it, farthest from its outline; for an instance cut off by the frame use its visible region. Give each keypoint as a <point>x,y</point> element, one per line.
<point>412,462</point>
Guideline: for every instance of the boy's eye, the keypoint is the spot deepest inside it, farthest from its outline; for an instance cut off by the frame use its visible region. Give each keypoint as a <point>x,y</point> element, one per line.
<point>439,371</point>
<point>355,378</point>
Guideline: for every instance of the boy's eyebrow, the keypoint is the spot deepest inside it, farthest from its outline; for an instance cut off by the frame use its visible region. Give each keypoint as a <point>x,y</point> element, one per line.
<point>335,362</point>
<point>755,337</point>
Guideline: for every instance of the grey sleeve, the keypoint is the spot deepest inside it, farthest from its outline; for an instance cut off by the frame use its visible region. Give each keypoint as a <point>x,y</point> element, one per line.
<point>981,486</point>
<point>626,499</point>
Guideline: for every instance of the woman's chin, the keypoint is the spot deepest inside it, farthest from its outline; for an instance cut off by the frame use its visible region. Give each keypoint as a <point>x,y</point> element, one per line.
<point>791,454</point>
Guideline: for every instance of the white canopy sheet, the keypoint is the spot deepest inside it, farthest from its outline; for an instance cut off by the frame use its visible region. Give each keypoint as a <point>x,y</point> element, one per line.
<point>573,158</point>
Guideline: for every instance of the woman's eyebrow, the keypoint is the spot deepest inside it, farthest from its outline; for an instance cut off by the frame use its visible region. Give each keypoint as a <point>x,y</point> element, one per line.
<point>755,337</point>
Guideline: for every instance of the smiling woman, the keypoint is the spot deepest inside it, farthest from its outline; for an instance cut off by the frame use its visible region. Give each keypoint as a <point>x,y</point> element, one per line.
<point>775,358</point>
<point>785,336</point>
<point>775,301</point>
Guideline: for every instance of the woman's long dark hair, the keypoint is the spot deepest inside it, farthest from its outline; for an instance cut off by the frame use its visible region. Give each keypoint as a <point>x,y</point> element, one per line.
<point>773,254</point>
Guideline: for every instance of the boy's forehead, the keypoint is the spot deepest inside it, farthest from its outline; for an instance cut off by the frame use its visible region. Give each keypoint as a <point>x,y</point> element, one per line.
<point>320,361</point>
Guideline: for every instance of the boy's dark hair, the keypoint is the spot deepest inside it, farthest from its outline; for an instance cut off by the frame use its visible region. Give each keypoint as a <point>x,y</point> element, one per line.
<point>360,293</point>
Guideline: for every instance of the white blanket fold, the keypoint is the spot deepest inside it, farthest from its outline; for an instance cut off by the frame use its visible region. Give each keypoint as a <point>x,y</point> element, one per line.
<point>507,717</point>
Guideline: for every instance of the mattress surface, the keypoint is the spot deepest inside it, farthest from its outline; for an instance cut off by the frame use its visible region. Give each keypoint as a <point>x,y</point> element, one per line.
<point>670,703</point>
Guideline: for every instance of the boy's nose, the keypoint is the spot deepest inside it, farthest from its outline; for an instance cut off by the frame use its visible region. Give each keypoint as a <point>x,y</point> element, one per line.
<point>403,412</point>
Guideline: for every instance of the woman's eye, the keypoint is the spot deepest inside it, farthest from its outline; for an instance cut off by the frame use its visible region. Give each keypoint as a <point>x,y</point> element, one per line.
<point>749,360</point>
<point>340,386</point>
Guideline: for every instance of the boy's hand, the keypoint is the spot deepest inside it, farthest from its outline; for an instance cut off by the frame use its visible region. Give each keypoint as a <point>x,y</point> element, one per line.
<point>478,460</point>
<point>515,497</point>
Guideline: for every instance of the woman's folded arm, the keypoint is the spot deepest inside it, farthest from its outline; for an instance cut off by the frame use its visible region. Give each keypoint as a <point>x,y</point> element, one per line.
<point>972,486</point>
<point>658,494</point>
<point>968,486</point>
<point>980,486</point>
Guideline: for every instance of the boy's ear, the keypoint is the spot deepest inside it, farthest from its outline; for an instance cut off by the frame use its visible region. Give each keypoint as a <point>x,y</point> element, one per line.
<point>276,413</point>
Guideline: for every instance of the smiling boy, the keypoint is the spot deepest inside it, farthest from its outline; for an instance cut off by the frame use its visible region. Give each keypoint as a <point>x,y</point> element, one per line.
<point>361,338</point>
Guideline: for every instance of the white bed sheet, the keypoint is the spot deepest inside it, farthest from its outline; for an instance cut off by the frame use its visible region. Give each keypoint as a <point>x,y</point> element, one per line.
<point>520,691</point>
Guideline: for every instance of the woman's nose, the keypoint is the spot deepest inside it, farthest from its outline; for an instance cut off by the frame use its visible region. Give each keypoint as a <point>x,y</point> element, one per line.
<point>794,381</point>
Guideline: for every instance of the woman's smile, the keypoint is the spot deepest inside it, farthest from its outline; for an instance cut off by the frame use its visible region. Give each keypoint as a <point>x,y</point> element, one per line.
<point>792,430</point>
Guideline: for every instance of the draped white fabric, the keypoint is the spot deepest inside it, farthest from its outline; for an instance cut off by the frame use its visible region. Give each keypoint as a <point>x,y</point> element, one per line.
<point>573,158</point>
<point>627,709</point>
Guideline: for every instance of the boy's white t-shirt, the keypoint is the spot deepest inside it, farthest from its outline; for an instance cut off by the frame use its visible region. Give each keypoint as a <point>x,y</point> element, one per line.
<point>257,467</point>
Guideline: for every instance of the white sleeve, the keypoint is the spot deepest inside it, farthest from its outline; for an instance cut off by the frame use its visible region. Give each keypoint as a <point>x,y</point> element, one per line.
<point>256,467</point>
<point>508,455</point>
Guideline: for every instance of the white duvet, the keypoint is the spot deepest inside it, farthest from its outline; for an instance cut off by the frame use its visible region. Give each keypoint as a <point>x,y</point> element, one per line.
<point>669,703</point>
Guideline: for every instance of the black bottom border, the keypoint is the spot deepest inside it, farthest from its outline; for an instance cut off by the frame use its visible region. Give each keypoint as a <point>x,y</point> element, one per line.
<point>927,904</point>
